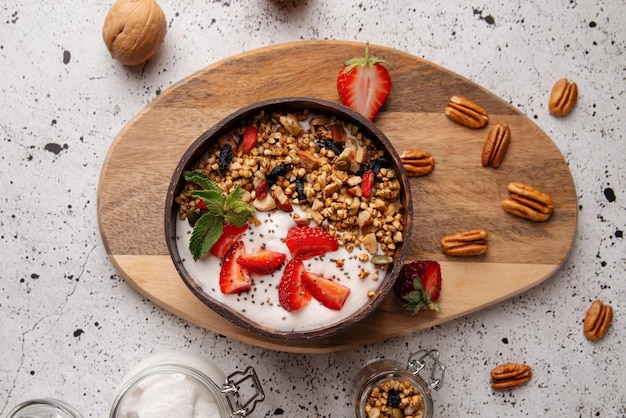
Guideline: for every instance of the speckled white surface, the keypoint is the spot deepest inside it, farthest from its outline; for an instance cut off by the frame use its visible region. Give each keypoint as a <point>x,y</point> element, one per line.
<point>70,327</point>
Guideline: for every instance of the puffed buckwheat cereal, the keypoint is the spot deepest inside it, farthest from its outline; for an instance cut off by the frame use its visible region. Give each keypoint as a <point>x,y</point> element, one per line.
<point>318,164</point>
<point>395,399</point>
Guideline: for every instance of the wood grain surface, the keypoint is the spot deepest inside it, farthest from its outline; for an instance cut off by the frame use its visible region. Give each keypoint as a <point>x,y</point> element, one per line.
<point>459,194</point>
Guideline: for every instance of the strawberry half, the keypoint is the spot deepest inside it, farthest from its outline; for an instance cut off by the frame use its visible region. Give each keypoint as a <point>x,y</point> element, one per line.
<point>262,261</point>
<point>306,242</point>
<point>419,284</point>
<point>233,277</point>
<point>363,83</point>
<point>329,293</point>
<point>230,234</point>
<point>292,294</point>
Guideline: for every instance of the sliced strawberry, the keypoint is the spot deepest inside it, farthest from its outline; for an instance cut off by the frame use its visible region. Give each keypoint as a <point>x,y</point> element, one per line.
<point>329,293</point>
<point>230,234</point>
<point>306,242</point>
<point>201,205</point>
<point>233,277</point>
<point>250,137</point>
<point>292,294</point>
<point>363,83</point>
<point>367,183</point>
<point>419,284</point>
<point>262,261</point>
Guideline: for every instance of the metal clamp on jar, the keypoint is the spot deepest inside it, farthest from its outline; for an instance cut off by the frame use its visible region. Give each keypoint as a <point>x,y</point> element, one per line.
<point>388,388</point>
<point>185,385</point>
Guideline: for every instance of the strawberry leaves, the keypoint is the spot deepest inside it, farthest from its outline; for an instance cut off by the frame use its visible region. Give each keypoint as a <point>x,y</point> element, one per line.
<point>419,298</point>
<point>419,285</point>
<point>219,210</point>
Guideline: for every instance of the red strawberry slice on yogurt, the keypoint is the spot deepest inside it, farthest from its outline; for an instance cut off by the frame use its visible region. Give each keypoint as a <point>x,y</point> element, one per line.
<point>292,294</point>
<point>233,277</point>
<point>329,293</point>
<point>262,261</point>
<point>230,234</point>
<point>306,242</point>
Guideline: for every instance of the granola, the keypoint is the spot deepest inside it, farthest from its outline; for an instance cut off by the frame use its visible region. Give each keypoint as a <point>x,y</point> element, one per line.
<point>317,165</point>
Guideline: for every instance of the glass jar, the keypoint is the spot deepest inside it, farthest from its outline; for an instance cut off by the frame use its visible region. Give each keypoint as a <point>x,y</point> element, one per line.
<point>185,385</point>
<point>406,389</point>
<point>44,408</point>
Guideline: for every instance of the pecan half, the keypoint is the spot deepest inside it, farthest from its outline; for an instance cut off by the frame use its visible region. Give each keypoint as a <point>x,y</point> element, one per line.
<point>510,375</point>
<point>598,320</point>
<point>563,97</point>
<point>417,163</point>
<point>527,202</point>
<point>465,243</point>
<point>466,112</point>
<point>496,144</point>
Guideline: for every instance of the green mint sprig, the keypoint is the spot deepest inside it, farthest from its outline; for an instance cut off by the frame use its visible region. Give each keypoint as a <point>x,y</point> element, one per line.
<point>209,227</point>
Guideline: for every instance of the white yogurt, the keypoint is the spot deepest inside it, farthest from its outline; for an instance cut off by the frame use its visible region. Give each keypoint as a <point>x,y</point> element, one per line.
<point>261,304</point>
<point>172,384</point>
<point>170,395</point>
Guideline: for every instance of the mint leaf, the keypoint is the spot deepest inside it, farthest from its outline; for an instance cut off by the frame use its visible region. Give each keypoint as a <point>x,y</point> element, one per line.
<point>205,234</point>
<point>237,218</point>
<point>210,196</point>
<point>202,180</point>
<point>236,211</point>
<point>210,226</point>
<point>233,198</point>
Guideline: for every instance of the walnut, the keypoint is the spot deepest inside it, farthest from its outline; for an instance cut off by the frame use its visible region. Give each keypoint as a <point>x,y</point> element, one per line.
<point>134,30</point>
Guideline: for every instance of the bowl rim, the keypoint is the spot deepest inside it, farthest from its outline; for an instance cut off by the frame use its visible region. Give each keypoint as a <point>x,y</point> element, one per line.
<point>199,146</point>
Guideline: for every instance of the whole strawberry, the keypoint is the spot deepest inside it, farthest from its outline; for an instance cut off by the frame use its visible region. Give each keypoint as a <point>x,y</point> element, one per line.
<point>363,83</point>
<point>419,284</point>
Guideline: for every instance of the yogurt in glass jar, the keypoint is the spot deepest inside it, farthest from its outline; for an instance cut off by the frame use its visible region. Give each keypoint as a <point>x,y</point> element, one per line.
<point>176,384</point>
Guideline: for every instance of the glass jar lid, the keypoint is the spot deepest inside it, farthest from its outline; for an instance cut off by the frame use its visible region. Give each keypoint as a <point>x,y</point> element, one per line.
<point>44,408</point>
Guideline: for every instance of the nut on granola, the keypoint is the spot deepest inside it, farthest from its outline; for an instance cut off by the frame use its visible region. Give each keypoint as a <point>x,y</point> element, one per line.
<point>465,243</point>
<point>527,202</point>
<point>496,145</point>
<point>510,375</point>
<point>466,112</point>
<point>597,320</point>
<point>563,97</point>
<point>417,163</point>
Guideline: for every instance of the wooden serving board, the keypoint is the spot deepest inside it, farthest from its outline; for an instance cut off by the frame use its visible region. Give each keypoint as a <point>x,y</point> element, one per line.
<point>459,194</point>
